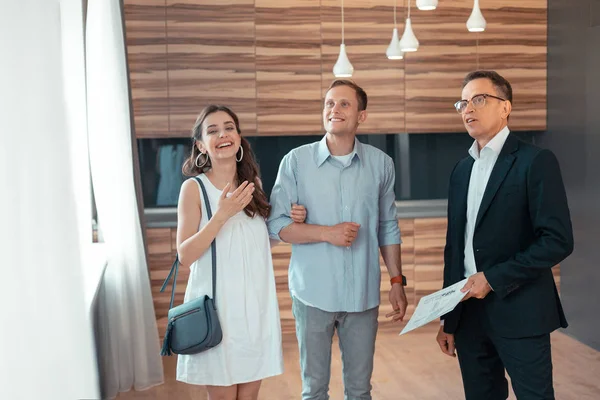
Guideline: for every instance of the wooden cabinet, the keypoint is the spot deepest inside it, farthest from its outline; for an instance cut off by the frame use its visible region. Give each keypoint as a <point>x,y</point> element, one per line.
<point>368,31</point>
<point>147,60</point>
<point>514,44</point>
<point>211,53</point>
<point>288,67</point>
<point>271,61</point>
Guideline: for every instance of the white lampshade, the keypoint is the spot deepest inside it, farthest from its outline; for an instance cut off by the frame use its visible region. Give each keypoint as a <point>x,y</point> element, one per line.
<point>393,51</point>
<point>427,5</point>
<point>476,22</point>
<point>343,68</point>
<point>409,41</point>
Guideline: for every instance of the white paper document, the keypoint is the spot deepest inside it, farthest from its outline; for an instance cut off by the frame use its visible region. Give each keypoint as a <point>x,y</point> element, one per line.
<point>435,305</point>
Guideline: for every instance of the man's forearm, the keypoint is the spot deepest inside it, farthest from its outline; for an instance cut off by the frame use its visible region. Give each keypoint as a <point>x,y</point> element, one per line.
<point>392,258</point>
<point>303,233</point>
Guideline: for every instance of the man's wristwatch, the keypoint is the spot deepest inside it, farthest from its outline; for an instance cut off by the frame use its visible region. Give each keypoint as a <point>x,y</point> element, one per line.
<point>398,279</point>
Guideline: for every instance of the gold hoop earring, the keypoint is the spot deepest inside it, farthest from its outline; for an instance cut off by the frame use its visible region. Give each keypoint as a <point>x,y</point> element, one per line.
<point>198,159</point>
<point>241,155</point>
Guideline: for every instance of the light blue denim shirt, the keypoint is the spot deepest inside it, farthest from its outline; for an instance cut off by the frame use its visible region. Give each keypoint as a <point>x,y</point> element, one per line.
<point>322,275</point>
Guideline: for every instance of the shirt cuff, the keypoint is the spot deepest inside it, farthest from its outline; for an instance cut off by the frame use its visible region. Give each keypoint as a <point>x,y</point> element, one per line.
<point>277,224</point>
<point>388,233</point>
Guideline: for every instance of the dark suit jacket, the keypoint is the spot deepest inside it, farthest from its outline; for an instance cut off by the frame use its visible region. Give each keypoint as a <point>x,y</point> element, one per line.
<point>523,229</point>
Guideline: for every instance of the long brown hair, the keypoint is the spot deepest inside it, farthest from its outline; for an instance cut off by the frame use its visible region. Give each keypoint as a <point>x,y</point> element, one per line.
<point>247,168</point>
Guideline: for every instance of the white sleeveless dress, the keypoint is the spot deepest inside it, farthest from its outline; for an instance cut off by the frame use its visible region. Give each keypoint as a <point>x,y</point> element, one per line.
<point>246,303</point>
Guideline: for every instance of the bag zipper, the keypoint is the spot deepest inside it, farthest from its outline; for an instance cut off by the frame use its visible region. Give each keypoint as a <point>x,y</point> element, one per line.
<point>184,314</point>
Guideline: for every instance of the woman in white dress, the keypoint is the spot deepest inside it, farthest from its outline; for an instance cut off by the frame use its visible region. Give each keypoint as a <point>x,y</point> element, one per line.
<point>246,299</point>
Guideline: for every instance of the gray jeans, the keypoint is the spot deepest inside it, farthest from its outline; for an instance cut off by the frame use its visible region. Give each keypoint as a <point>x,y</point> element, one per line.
<point>356,333</point>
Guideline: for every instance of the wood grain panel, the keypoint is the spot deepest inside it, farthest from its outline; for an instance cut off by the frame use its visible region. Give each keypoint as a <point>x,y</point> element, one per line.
<point>281,261</point>
<point>160,258</point>
<point>430,239</point>
<point>211,60</point>
<point>435,72</point>
<point>422,263</point>
<point>408,269</point>
<point>514,44</point>
<point>368,31</point>
<point>288,67</point>
<point>159,240</point>
<point>272,61</point>
<point>145,29</point>
<point>174,240</point>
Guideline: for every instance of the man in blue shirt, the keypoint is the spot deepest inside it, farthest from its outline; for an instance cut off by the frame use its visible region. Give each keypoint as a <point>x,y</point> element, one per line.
<point>334,277</point>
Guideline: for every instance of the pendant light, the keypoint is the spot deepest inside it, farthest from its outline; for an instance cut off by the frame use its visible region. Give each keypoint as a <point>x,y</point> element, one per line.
<point>393,51</point>
<point>427,5</point>
<point>343,68</point>
<point>409,41</point>
<point>476,22</point>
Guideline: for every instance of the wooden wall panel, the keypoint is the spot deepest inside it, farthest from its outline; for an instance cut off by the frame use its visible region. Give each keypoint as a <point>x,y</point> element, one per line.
<point>514,44</point>
<point>368,31</point>
<point>211,60</point>
<point>145,25</point>
<point>422,263</point>
<point>430,239</point>
<point>434,73</point>
<point>281,261</point>
<point>407,232</point>
<point>161,254</point>
<point>272,62</point>
<point>288,67</point>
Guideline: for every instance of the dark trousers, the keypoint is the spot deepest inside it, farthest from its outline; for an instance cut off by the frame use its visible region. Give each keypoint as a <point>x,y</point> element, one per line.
<point>484,356</point>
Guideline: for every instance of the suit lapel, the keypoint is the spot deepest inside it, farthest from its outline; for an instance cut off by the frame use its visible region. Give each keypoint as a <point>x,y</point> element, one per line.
<point>501,168</point>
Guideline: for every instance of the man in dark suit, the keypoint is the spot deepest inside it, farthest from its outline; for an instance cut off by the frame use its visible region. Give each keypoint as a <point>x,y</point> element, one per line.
<point>508,225</point>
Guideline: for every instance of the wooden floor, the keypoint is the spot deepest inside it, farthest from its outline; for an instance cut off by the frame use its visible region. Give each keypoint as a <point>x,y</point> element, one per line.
<point>407,367</point>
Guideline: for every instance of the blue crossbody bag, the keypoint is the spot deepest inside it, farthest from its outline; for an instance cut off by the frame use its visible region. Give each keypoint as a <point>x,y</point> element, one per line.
<point>193,326</point>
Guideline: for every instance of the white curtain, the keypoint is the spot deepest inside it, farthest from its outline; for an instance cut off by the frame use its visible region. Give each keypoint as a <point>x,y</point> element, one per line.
<point>47,341</point>
<point>129,348</point>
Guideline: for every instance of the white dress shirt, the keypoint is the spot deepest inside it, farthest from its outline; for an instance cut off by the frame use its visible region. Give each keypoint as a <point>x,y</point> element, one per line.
<point>480,174</point>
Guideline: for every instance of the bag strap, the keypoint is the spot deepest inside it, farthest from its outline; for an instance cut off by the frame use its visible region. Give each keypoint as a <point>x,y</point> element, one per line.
<point>213,249</point>
<point>213,245</point>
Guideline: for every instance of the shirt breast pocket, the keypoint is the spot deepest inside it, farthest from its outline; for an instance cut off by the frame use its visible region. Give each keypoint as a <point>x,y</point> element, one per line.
<point>369,195</point>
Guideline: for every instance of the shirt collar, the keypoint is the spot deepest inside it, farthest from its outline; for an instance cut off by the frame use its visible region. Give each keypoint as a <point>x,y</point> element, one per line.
<point>323,152</point>
<point>495,144</point>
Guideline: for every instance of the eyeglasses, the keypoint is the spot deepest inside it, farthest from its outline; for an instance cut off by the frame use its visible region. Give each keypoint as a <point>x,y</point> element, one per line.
<point>478,101</point>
